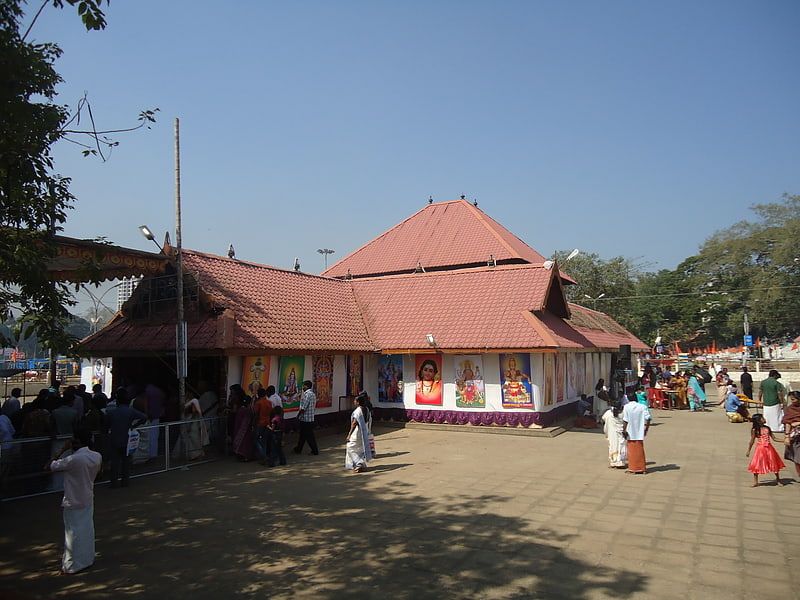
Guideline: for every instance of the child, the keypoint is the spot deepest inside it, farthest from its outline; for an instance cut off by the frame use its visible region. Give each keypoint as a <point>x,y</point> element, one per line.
<point>275,443</point>
<point>765,459</point>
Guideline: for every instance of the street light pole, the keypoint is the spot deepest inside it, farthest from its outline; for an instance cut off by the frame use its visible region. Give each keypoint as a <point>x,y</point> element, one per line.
<point>180,327</point>
<point>325,252</point>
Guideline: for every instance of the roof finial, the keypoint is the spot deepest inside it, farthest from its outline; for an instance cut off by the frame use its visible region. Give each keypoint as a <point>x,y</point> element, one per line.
<point>231,251</point>
<point>463,196</point>
<point>430,200</point>
<point>475,203</point>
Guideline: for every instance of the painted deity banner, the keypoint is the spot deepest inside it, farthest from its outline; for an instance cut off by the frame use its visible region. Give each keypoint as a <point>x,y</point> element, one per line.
<point>549,379</point>
<point>390,379</point>
<point>429,379</point>
<point>355,375</point>
<point>323,380</point>
<point>572,374</point>
<point>560,368</point>
<point>515,372</point>
<point>290,381</point>
<point>255,374</point>
<point>469,382</point>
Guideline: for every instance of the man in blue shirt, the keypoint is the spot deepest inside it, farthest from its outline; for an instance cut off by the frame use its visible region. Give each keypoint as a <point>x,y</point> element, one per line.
<point>735,408</point>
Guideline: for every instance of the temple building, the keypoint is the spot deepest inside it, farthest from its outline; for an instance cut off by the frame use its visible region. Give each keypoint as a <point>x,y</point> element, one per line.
<point>447,317</point>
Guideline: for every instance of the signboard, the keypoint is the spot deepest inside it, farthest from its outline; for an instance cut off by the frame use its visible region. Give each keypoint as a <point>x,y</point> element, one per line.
<point>748,340</point>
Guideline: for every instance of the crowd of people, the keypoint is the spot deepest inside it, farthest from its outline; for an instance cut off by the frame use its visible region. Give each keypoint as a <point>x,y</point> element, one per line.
<point>626,420</point>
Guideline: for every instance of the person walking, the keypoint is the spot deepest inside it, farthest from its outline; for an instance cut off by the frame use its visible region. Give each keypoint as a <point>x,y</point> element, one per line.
<point>308,403</point>
<point>613,427</point>
<point>80,469</point>
<point>636,422</point>
<point>765,458</point>
<point>358,452</point>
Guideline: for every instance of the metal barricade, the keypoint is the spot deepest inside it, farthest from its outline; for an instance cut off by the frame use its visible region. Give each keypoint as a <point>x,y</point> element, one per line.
<point>162,447</point>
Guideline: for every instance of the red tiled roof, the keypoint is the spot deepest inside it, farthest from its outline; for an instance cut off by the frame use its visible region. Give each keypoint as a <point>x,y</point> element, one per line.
<point>600,330</point>
<point>441,235</point>
<point>471,309</point>
<point>272,309</point>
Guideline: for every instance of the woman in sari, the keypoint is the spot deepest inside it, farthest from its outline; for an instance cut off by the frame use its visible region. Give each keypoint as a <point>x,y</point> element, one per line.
<point>617,444</point>
<point>697,397</point>
<point>358,453</point>
<point>244,443</point>
<point>791,424</point>
<point>193,435</point>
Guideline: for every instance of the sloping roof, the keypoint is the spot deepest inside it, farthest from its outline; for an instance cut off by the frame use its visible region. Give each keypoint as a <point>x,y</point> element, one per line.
<point>487,309</point>
<point>442,235</point>
<point>256,308</point>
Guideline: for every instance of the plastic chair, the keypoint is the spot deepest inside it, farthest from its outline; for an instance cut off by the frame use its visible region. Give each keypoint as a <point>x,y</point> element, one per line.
<point>660,399</point>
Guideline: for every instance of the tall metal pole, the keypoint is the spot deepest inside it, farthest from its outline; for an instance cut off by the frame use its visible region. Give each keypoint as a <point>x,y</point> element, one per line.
<point>180,329</point>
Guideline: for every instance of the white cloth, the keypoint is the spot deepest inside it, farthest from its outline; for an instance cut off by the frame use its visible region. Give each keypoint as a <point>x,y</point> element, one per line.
<point>358,453</point>
<point>617,444</point>
<point>275,400</point>
<point>81,468</point>
<point>636,415</point>
<point>773,415</point>
<point>78,539</point>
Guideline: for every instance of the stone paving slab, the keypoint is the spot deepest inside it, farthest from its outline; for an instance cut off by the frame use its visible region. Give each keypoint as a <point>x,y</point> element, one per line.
<point>438,515</point>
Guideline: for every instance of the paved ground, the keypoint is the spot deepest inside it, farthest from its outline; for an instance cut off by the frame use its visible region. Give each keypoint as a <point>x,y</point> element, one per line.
<point>439,515</point>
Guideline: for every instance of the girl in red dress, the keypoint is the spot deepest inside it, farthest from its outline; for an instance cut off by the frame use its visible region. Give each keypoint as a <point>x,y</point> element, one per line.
<point>765,459</point>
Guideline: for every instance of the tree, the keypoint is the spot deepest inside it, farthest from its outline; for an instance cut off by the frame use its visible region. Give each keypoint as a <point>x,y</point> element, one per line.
<point>34,199</point>
<point>614,280</point>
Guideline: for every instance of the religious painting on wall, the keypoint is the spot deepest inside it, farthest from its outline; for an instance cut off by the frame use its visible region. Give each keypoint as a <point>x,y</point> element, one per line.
<point>323,380</point>
<point>355,375</point>
<point>255,374</point>
<point>560,368</point>
<point>549,379</point>
<point>390,378</point>
<point>429,379</point>
<point>290,381</point>
<point>572,374</point>
<point>515,372</point>
<point>469,382</point>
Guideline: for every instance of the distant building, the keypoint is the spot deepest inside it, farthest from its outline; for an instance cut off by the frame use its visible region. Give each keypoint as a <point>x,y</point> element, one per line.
<point>125,290</point>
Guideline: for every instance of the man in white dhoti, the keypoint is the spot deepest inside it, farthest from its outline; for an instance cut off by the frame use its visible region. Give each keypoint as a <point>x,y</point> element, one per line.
<point>80,469</point>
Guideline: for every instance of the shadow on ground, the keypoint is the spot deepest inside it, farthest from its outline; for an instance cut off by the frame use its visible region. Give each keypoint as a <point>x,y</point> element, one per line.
<point>309,530</point>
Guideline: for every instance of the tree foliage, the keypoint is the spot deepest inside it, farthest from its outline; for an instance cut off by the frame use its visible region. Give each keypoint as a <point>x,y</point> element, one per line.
<point>750,268</point>
<point>34,198</point>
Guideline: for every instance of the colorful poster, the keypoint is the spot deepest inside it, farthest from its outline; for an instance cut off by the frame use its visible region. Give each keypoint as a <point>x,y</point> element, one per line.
<point>355,375</point>
<point>255,374</point>
<point>390,378</point>
<point>549,378</point>
<point>469,382</point>
<point>572,374</point>
<point>429,379</point>
<point>515,374</point>
<point>560,368</point>
<point>290,381</point>
<point>323,380</point>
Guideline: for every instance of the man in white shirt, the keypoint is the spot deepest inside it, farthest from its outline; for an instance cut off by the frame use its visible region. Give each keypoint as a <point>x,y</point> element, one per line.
<point>636,421</point>
<point>80,469</point>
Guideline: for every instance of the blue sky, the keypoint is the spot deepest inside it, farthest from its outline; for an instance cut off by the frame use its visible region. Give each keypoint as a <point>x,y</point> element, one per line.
<point>621,128</point>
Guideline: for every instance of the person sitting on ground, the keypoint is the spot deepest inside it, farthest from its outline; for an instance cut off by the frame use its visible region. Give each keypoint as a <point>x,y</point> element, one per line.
<point>735,408</point>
